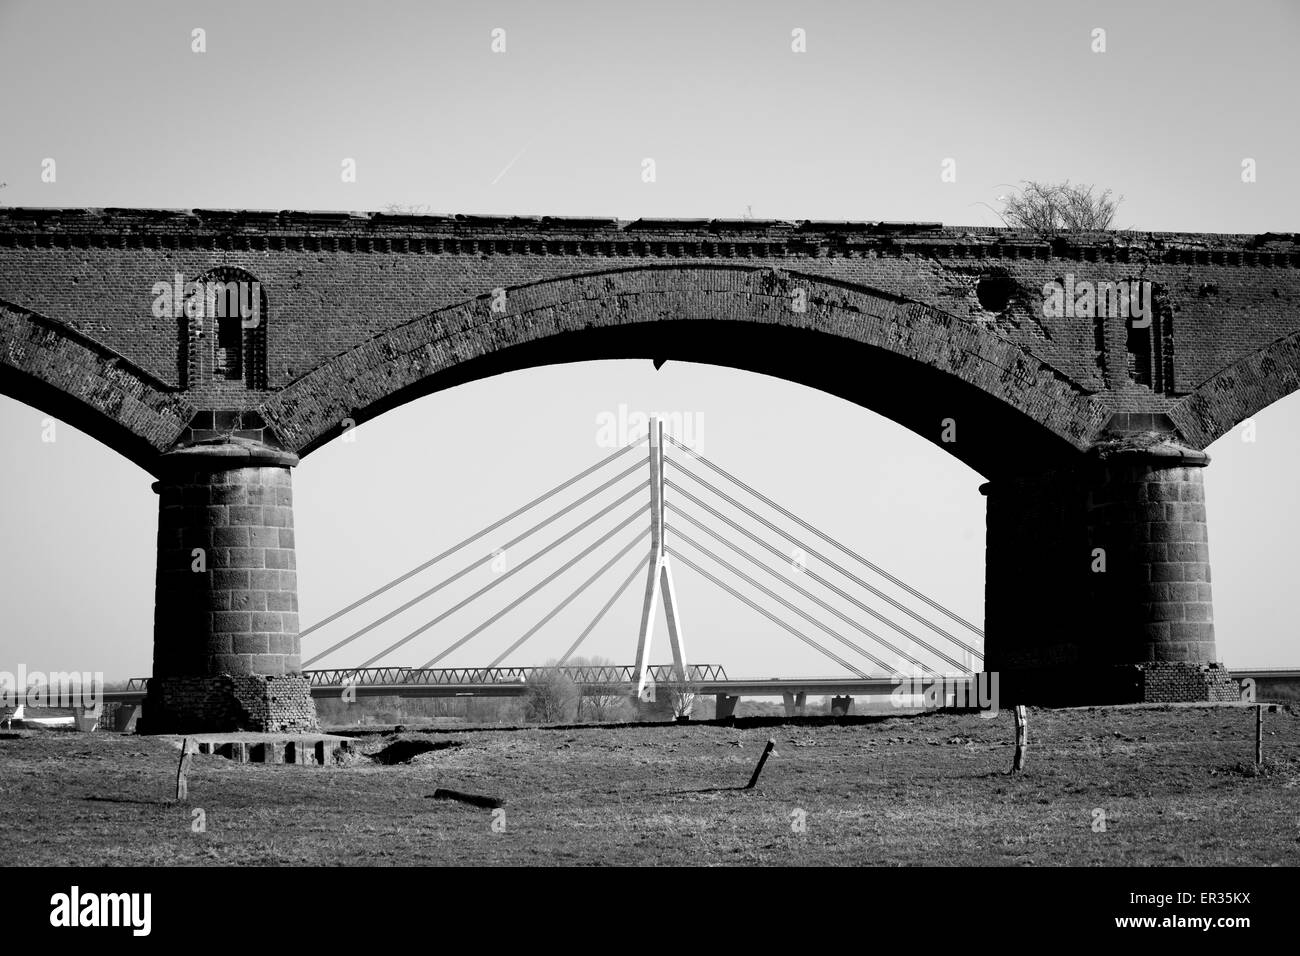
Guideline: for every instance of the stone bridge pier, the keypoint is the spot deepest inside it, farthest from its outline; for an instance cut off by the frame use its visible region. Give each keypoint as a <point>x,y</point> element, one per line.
<point>226,652</point>
<point>1097,581</point>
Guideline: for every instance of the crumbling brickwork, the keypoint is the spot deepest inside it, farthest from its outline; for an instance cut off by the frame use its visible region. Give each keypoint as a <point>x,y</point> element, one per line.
<point>1172,682</point>
<point>228,702</point>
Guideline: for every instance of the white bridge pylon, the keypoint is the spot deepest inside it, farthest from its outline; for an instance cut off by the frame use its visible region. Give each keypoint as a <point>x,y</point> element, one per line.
<point>659,581</point>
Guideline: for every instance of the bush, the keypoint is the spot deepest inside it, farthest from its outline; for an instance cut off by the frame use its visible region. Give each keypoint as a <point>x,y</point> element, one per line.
<point>681,695</point>
<point>1048,208</point>
<point>551,698</point>
<point>603,701</point>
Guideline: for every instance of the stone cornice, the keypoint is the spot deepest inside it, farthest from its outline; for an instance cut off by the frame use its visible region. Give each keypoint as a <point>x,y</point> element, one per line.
<point>341,232</point>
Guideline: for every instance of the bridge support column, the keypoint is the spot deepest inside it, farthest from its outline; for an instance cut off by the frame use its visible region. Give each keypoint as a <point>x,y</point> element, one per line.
<point>794,703</point>
<point>725,705</point>
<point>1098,580</point>
<point>226,654</point>
<point>841,706</point>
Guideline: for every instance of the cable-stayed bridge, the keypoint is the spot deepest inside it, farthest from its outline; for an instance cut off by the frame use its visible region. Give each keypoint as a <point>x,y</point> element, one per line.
<point>658,503</point>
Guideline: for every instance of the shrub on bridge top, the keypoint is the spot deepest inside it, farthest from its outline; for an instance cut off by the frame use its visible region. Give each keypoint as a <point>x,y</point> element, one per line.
<point>1050,208</point>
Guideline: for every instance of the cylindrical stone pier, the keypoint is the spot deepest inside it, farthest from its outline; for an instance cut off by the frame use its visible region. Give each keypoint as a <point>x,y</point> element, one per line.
<point>226,652</point>
<point>1146,512</point>
<point>1098,580</point>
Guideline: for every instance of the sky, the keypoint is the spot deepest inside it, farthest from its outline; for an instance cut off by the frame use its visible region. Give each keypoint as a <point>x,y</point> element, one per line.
<point>559,122</point>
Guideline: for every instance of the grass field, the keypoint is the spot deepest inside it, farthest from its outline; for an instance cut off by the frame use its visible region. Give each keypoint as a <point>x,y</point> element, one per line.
<point>1176,786</point>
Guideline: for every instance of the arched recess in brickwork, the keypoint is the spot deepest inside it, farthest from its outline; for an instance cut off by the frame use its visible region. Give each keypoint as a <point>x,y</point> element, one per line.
<point>224,338</point>
<point>69,376</point>
<point>907,361</point>
<point>1239,391</point>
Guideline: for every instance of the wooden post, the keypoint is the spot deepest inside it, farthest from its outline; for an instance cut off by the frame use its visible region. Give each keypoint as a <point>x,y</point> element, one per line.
<point>761,760</point>
<point>1022,736</point>
<point>1259,733</point>
<point>182,771</point>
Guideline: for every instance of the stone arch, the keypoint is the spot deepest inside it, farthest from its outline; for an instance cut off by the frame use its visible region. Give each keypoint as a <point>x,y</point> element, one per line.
<point>908,361</point>
<point>55,368</point>
<point>1233,394</point>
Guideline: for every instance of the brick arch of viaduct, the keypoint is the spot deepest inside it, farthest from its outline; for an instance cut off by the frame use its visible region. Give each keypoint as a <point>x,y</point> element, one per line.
<point>59,370</point>
<point>910,361</point>
<point>650,312</point>
<point>1237,392</point>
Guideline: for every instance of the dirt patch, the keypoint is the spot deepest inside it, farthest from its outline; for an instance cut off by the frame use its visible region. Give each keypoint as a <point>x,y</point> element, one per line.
<point>404,751</point>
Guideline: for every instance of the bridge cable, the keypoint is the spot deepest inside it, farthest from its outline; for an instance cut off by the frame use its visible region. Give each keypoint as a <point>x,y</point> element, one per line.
<point>770,616</point>
<point>814,576</point>
<point>604,610</point>
<point>471,539</point>
<point>776,597</point>
<point>513,571</point>
<point>565,603</point>
<point>815,599</point>
<point>479,563</point>
<point>844,571</point>
<point>829,540</point>
<point>640,512</point>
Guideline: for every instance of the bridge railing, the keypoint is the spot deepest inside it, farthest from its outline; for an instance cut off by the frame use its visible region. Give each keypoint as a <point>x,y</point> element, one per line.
<point>394,676</point>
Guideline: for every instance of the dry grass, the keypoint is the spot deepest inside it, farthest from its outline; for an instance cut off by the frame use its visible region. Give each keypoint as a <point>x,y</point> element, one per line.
<point>1177,787</point>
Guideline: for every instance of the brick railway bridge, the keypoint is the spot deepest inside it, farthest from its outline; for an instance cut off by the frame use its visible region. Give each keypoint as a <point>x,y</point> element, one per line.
<point>1089,419</point>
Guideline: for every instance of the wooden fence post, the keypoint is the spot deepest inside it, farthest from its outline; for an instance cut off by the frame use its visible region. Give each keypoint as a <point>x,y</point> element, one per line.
<point>182,771</point>
<point>1022,736</point>
<point>1259,733</point>
<point>761,760</point>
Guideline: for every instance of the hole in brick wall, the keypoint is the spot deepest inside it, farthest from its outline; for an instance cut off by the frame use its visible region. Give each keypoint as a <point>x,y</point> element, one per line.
<point>994,292</point>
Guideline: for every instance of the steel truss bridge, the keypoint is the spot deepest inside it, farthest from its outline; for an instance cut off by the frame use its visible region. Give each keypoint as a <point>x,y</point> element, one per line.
<point>704,679</point>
